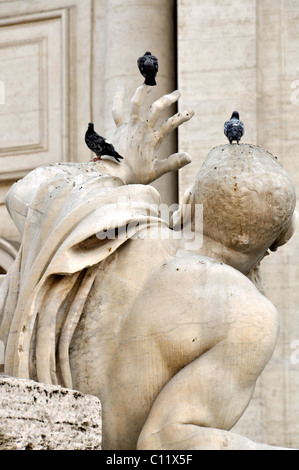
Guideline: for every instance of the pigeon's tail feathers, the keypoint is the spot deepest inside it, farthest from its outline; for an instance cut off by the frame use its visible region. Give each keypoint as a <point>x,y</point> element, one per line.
<point>113,153</point>
<point>117,156</point>
<point>235,133</point>
<point>150,80</point>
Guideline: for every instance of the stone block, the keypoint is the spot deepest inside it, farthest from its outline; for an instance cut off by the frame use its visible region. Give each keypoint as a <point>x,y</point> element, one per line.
<point>36,416</point>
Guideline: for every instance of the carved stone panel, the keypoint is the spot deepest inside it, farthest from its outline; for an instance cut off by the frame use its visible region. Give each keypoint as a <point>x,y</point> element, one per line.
<point>32,118</point>
<point>45,80</point>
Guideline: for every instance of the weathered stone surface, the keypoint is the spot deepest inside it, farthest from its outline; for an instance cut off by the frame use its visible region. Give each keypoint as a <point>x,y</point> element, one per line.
<point>35,416</point>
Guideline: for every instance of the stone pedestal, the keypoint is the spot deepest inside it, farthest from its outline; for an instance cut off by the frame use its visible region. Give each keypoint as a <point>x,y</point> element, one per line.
<point>35,416</point>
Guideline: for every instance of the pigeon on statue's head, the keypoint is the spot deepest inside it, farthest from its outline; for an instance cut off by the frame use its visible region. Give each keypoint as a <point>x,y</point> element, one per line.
<point>148,66</point>
<point>234,128</point>
<point>99,145</point>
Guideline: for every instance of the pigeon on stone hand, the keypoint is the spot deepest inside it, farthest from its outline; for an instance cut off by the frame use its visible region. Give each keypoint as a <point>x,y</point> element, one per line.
<point>234,128</point>
<point>148,66</point>
<point>99,145</point>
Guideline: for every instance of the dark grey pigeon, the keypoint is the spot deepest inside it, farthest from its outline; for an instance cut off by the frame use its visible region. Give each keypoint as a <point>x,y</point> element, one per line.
<point>234,128</point>
<point>148,66</point>
<point>99,145</point>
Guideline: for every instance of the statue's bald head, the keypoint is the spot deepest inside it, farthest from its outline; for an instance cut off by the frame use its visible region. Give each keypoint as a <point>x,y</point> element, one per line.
<point>248,198</point>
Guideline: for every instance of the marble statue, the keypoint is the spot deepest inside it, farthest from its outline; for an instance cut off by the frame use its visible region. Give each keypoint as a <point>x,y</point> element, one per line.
<point>103,298</point>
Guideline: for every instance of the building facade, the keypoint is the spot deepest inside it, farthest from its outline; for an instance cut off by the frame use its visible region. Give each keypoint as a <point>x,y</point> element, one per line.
<point>60,64</point>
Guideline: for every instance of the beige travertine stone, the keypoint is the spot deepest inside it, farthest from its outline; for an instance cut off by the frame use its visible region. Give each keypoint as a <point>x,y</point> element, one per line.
<point>71,56</point>
<point>105,299</point>
<point>138,27</point>
<point>278,117</point>
<point>216,74</point>
<point>250,63</point>
<point>35,416</point>
<point>8,252</point>
<point>45,67</point>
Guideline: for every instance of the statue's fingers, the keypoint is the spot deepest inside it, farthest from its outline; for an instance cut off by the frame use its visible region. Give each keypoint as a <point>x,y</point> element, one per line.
<point>171,124</point>
<point>138,100</point>
<point>162,103</point>
<point>172,163</point>
<point>117,107</point>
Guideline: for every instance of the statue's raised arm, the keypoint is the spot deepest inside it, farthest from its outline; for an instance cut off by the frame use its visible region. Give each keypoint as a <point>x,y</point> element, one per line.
<point>138,138</point>
<point>103,299</point>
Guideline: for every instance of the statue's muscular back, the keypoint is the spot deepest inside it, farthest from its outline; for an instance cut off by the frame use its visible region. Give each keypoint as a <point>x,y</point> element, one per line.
<point>153,311</point>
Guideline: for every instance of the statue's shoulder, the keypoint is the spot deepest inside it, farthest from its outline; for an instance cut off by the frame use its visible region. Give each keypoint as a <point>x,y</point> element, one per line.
<point>195,283</point>
<point>185,262</point>
<point>192,272</point>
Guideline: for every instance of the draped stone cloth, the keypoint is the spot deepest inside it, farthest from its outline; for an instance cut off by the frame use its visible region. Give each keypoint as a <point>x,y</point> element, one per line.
<point>64,213</point>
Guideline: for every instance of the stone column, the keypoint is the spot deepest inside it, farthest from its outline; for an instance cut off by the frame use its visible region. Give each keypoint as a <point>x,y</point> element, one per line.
<point>278,118</point>
<point>244,55</point>
<point>216,74</point>
<point>131,29</point>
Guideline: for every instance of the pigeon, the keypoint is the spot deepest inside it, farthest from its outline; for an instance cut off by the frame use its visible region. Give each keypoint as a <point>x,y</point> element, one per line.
<point>99,145</point>
<point>148,66</point>
<point>234,128</point>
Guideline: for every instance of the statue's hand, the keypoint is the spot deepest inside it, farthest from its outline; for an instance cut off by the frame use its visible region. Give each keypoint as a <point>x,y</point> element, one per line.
<point>137,140</point>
